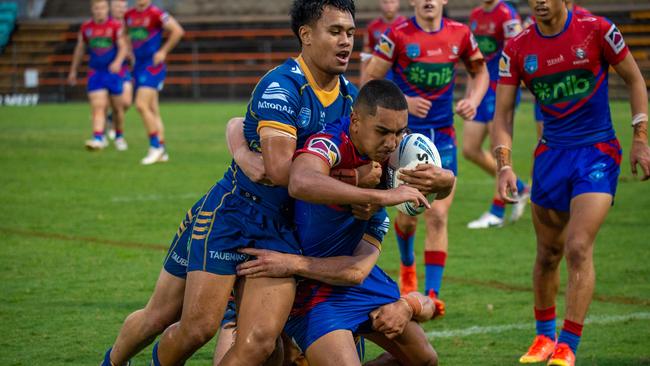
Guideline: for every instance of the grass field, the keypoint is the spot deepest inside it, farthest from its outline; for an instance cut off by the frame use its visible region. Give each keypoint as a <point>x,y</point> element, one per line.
<point>83,235</point>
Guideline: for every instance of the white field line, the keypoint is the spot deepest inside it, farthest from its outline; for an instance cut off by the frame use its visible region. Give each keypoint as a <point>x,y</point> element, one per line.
<point>494,329</point>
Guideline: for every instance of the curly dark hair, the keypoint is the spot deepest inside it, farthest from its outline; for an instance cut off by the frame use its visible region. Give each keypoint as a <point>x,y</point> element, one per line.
<point>309,11</point>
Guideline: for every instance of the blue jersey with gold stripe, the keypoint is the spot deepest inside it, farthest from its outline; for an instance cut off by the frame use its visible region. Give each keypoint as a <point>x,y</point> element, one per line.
<point>288,99</point>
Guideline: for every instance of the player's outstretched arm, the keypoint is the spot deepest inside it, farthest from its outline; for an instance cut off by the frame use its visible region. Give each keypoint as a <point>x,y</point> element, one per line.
<point>176,32</point>
<point>337,271</point>
<point>250,162</point>
<point>640,152</point>
<point>502,141</point>
<point>77,56</point>
<point>310,181</point>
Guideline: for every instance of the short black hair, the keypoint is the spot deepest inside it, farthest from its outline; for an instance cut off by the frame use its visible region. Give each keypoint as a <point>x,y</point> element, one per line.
<point>309,11</point>
<point>380,93</point>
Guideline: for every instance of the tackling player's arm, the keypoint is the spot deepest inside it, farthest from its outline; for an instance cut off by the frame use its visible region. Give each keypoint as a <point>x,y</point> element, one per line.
<point>278,147</point>
<point>176,32</point>
<point>377,68</point>
<point>249,161</point>
<point>391,319</point>
<point>310,181</point>
<point>337,271</point>
<point>640,152</point>
<point>77,56</point>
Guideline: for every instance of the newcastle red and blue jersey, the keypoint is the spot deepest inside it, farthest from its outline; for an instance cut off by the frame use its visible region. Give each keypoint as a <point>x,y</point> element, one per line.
<point>145,29</point>
<point>424,64</point>
<point>567,74</point>
<point>101,42</point>
<point>326,230</point>
<point>492,30</point>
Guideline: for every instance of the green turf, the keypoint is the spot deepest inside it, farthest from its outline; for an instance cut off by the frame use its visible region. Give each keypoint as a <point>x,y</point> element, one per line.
<point>67,284</point>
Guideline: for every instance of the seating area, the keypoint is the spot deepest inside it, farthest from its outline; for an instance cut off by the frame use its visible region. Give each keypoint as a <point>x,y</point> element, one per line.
<point>222,59</point>
<point>8,15</point>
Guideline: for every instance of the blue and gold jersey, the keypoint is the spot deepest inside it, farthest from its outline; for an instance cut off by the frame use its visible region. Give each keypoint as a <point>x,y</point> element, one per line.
<point>288,99</point>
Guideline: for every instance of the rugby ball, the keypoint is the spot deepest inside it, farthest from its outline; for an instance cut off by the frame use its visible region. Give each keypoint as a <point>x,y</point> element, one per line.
<point>415,149</point>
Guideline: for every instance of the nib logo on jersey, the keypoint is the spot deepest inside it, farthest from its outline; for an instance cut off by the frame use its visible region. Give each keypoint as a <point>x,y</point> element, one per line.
<point>563,87</point>
<point>487,44</point>
<point>138,34</point>
<point>100,42</point>
<point>430,76</point>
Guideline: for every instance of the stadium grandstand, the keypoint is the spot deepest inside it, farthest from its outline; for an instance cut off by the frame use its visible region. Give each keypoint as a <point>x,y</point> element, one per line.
<point>228,45</point>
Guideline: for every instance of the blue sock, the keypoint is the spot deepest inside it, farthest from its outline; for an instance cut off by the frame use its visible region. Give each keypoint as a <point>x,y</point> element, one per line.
<point>154,141</point>
<point>434,266</point>
<point>570,334</point>
<point>545,322</point>
<point>98,135</point>
<point>154,355</point>
<point>498,208</point>
<point>119,133</point>
<point>405,245</point>
<point>521,186</point>
<point>107,358</point>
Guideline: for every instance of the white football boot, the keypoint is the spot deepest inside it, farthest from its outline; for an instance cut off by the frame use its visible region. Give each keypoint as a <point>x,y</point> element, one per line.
<point>120,144</point>
<point>155,155</point>
<point>94,144</point>
<point>487,220</point>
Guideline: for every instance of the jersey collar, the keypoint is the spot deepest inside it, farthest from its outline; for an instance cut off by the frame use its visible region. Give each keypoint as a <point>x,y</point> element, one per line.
<point>324,96</point>
<point>566,26</point>
<point>415,22</point>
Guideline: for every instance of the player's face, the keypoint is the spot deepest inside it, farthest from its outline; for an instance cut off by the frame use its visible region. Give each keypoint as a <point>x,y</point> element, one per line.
<point>118,8</point>
<point>100,11</point>
<point>142,3</point>
<point>379,135</point>
<point>545,10</point>
<point>330,40</point>
<point>428,9</point>
<point>389,8</point>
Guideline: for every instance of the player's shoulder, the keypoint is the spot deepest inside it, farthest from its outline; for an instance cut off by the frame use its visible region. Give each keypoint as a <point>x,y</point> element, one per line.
<point>524,36</point>
<point>375,23</point>
<point>114,23</point>
<point>403,26</point>
<point>475,12</point>
<point>455,26</point>
<point>129,12</point>
<point>506,10</point>
<point>348,88</point>
<point>153,9</point>
<point>86,24</point>
<point>283,82</point>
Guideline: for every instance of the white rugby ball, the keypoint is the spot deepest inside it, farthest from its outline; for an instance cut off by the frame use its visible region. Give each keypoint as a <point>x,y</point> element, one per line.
<point>415,149</point>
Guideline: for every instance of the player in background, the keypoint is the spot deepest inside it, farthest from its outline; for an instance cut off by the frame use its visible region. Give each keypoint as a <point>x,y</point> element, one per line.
<point>493,23</point>
<point>107,48</point>
<point>575,8</point>
<point>422,53</point>
<point>145,24</point>
<point>389,16</point>
<point>343,250</point>
<point>564,60</point>
<point>113,131</point>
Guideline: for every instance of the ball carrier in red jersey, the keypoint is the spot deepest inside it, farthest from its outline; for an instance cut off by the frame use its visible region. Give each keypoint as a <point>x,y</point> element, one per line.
<point>389,16</point>
<point>145,24</point>
<point>423,53</point>
<point>493,24</point>
<point>107,48</point>
<point>564,60</point>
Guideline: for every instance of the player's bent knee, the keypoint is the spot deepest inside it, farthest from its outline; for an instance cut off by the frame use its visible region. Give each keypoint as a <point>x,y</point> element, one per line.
<point>200,332</point>
<point>258,344</point>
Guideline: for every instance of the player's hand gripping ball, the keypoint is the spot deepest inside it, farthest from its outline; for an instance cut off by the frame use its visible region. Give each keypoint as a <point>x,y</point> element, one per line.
<point>415,149</point>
